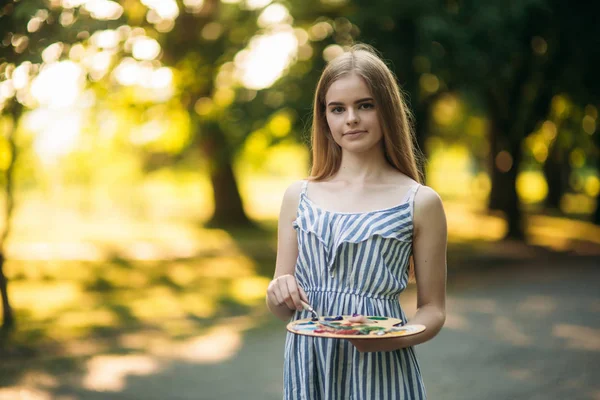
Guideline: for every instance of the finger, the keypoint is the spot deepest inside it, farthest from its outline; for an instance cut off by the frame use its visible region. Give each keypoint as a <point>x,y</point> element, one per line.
<point>277,296</point>
<point>303,295</point>
<point>285,294</point>
<point>294,294</point>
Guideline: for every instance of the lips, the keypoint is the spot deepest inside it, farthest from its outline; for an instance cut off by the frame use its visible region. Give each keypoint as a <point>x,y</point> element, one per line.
<point>353,132</point>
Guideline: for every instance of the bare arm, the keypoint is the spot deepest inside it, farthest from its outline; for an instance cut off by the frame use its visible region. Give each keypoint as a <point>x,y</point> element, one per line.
<point>429,252</point>
<point>284,294</point>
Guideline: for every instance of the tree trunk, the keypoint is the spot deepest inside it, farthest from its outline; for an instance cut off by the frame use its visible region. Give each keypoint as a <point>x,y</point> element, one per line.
<point>596,216</point>
<point>514,215</point>
<point>556,172</point>
<point>499,183</point>
<point>229,209</point>
<point>503,194</point>
<point>552,173</point>
<point>8,319</point>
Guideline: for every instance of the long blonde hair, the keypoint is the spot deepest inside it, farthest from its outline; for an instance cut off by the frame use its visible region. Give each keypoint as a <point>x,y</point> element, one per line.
<point>394,115</point>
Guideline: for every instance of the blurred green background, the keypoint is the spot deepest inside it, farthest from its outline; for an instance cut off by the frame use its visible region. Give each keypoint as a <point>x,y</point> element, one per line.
<point>146,144</point>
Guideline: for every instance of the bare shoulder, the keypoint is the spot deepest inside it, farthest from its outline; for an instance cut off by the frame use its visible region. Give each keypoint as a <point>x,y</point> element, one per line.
<point>292,193</point>
<point>428,209</point>
<point>426,198</point>
<point>291,197</point>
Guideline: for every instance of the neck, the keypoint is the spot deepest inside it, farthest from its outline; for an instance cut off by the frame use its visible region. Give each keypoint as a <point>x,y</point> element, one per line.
<point>363,167</point>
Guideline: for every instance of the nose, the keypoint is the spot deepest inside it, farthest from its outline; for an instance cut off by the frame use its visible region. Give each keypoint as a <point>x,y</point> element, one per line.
<point>352,117</point>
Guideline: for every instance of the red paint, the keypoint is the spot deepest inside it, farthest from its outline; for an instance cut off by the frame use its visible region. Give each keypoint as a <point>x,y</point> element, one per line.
<point>347,332</point>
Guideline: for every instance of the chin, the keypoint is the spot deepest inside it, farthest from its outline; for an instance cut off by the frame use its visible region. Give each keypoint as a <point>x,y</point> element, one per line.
<point>360,146</point>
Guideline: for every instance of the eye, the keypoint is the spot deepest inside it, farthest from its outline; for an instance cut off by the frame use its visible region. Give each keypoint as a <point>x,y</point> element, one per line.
<point>367,106</point>
<point>337,110</point>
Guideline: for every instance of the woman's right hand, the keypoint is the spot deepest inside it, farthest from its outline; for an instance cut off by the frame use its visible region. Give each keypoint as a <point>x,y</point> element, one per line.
<point>284,290</point>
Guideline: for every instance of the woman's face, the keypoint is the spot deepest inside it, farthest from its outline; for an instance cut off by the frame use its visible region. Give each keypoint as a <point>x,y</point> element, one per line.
<point>352,114</point>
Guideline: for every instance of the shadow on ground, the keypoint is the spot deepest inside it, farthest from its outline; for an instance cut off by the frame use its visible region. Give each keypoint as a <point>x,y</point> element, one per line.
<point>521,325</point>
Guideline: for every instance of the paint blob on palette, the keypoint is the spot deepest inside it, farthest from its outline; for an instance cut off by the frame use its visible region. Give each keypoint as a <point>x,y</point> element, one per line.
<point>353,327</point>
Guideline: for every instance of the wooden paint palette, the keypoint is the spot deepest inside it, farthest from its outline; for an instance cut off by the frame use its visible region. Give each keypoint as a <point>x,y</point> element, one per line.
<point>340,328</point>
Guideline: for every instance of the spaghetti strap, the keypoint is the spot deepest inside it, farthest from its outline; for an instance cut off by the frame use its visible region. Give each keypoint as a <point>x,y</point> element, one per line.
<point>409,197</point>
<point>304,187</point>
<point>300,206</point>
<point>411,200</point>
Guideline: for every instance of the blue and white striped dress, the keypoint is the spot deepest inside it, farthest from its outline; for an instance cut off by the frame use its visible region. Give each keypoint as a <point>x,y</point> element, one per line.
<point>351,263</point>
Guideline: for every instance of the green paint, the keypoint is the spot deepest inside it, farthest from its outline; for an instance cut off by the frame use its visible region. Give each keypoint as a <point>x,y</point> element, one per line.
<point>368,329</point>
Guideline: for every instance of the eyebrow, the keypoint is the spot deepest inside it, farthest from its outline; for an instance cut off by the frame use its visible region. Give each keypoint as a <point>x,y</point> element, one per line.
<point>337,103</point>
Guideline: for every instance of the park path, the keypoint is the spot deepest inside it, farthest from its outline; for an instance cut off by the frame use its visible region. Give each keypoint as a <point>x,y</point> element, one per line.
<point>525,329</point>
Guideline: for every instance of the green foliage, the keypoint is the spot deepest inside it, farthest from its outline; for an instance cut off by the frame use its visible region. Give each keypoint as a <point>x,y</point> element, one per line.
<point>503,61</point>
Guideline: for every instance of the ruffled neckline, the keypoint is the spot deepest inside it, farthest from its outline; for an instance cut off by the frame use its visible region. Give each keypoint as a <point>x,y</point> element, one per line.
<point>402,205</point>
<point>333,228</point>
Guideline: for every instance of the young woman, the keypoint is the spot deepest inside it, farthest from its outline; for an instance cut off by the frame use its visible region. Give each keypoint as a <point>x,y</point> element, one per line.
<point>349,234</point>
